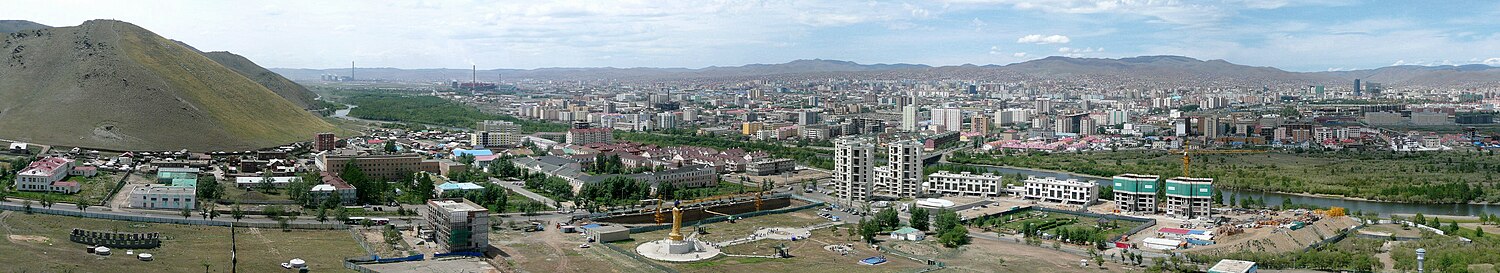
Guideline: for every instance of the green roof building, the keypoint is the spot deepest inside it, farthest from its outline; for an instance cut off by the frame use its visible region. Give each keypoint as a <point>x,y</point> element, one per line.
<point>1190,197</point>
<point>178,177</point>
<point>1136,192</point>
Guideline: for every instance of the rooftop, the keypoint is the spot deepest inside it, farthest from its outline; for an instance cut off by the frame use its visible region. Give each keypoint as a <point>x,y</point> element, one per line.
<point>456,205</point>
<point>1232,266</point>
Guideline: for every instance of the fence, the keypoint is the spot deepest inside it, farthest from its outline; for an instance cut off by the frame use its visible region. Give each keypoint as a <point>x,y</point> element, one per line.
<point>116,190</point>
<point>166,219</point>
<point>354,232</point>
<point>638,258</point>
<point>357,267</point>
<point>717,219</point>
<point>115,239</point>
<point>1343,233</point>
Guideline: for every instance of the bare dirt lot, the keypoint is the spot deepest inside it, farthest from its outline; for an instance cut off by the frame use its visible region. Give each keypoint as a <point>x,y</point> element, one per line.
<point>551,251</point>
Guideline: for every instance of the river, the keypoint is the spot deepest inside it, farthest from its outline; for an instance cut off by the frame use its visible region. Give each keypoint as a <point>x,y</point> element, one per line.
<point>1274,199</point>
<point>344,114</point>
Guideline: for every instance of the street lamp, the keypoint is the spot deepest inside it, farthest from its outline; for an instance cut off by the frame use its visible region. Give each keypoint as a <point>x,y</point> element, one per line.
<point>1421,255</point>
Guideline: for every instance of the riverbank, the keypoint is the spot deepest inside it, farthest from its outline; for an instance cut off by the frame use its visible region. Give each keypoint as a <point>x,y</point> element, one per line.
<point>1425,178</point>
<point>1379,207</point>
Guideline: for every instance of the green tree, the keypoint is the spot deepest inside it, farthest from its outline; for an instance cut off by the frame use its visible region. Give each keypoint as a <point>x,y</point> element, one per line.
<point>186,212</point>
<point>81,202</point>
<point>867,230</point>
<point>341,215</point>
<point>266,183</point>
<point>236,213</point>
<point>954,236</point>
<point>390,147</point>
<point>888,219</point>
<point>322,215</point>
<point>1419,219</point>
<point>424,188</point>
<point>1478,232</point>
<point>208,188</point>
<point>919,219</point>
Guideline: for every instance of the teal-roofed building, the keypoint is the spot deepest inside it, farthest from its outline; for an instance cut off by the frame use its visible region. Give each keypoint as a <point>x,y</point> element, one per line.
<point>178,177</point>
<point>1136,192</point>
<point>1190,197</point>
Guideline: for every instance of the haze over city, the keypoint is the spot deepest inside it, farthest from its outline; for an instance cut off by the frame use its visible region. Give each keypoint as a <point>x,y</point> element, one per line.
<point>1318,35</point>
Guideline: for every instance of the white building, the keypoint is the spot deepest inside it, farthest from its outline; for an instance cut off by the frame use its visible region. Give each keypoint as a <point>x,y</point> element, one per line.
<point>964,184</point>
<point>853,168</point>
<point>902,176</point>
<point>164,197</point>
<point>666,120</point>
<point>590,135</point>
<point>949,119</point>
<point>1118,116</point>
<point>496,133</point>
<point>47,174</point>
<point>333,185</point>
<point>909,118</point>
<point>1071,191</point>
<point>458,225</point>
<point>279,182</point>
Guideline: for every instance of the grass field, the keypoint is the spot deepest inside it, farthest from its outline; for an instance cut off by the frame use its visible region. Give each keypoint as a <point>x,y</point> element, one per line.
<point>1038,218</point>
<point>39,243</point>
<point>1449,177</point>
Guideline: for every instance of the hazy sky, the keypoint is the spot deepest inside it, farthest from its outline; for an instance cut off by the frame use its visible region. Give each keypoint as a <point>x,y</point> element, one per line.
<point>1294,35</point>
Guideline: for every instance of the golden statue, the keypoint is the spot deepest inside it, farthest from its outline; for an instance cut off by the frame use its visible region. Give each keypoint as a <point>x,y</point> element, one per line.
<point>676,234</point>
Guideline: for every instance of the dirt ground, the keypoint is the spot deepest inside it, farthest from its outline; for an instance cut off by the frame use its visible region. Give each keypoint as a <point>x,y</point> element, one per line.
<point>807,256</point>
<point>995,256</point>
<point>1276,240</point>
<point>784,179</point>
<point>552,251</point>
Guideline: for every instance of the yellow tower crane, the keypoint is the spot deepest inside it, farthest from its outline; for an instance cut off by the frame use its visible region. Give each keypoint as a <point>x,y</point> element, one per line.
<point>1187,155</point>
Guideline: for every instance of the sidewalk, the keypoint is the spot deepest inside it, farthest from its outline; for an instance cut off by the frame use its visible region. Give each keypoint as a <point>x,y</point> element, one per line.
<point>524,192</point>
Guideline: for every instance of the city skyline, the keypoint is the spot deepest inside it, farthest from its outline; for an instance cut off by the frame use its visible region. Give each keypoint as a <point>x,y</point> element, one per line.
<point>1290,35</point>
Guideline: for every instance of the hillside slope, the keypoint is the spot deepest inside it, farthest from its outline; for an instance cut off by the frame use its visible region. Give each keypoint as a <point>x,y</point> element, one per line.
<point>10,26</point>
<point>287,89</point>
<point>113,85</point>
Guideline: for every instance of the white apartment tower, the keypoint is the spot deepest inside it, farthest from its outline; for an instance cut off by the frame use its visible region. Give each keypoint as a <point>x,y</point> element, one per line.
<point>949,119</point>
<point>909,118</point>
<point>902,176</point>
<point>853,168</point>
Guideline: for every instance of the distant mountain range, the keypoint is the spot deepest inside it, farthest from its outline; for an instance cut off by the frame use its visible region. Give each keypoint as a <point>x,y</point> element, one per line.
<point>1168,69</point>
<point>113,85</point>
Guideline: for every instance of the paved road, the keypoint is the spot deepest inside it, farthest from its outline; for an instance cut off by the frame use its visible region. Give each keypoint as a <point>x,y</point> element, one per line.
<point>524,192</point>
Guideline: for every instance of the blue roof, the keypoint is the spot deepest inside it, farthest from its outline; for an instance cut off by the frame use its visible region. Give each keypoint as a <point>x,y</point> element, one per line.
<point>591,226</point>
<point>461,152</point>
<point>459,186</point>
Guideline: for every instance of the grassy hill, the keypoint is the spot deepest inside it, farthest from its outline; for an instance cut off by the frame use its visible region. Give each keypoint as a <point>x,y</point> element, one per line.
<point>113,85</point>
<point>285,88</point>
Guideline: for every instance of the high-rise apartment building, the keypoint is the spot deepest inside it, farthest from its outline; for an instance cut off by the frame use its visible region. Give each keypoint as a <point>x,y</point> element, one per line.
<point>902,175</point>
<point>909,118</point>
<point>853,168</point>
<point>948,119</point>
<point>1190,197</point>
<point>496,133</point>
<point>1136,192</point>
